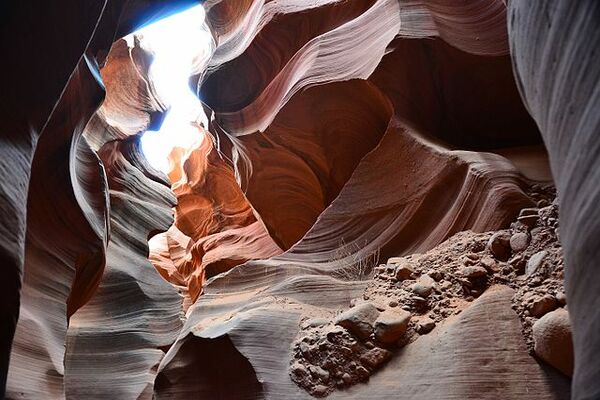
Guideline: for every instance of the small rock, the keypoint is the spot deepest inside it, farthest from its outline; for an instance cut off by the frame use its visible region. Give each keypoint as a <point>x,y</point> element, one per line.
<point>298,371</point>
<point>535,261</point>
<point>562,298</point>
<point>489,264</point>
<point>553,342</point>
<point>320,390</point>
<point>347,378</point>
<point>391,325</point>
<point>362,373</point>
<point>305,348</point>
<point>319,372</point>
<point>359,319</point>
<point>375,357</point>
<point>473,272</point>
<point>542,203</point>
<point>519,241</point>
<point>419,301</point>
<point>403,272</point>
<point>395,260</point>
<point>529,211</point>
<point>518,263</point>
<point>464,259</point>
<point>543,305</point>
<point>425,326</point>
<point>535,281</point>
<point>333,333</point>
<point>314,323</point>
<point>529,220</point>
<point>445,285</point>
<point>535,231</point>
<point>393,303</point>
<point>423,286</point>
<point>499,245</point>
<point>380,269</point>
<point>435,275</point>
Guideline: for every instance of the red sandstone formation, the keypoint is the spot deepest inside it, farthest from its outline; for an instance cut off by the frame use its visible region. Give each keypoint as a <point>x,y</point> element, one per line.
<point>215,226</point>
<point>341,134</point>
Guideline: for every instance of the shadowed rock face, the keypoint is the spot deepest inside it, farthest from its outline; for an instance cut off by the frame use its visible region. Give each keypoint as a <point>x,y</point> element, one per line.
<point>340,133</point>
<point>559,80</point>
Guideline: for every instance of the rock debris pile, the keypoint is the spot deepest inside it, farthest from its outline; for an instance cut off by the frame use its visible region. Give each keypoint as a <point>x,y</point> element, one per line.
<point>409,296</point>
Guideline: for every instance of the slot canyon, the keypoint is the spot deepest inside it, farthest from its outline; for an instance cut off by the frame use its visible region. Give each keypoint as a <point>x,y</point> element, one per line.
<point>296,199</point>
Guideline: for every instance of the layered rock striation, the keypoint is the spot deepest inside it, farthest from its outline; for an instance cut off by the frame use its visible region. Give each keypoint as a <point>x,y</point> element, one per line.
<point>340,134</point>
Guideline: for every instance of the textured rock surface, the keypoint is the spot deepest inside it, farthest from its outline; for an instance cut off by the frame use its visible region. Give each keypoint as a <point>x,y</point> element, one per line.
<point>215,227</point>
<point>134,314</point>
<point>553,340</point>
<point>554,48</point>
<point>339,133</point>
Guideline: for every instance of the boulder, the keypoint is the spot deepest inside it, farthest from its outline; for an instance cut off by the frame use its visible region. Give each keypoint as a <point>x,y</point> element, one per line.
<point>519,241</point>
<point>359,319</point>
<point>499,245</point>
<point>391,325</point>
<point>553,342</point>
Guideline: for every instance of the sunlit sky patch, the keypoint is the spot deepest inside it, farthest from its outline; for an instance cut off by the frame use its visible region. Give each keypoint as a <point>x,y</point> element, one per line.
<point>180,43</point>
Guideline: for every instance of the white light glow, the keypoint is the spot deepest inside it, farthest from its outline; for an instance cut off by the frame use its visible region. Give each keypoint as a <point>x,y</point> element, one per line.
<point>181,45</point>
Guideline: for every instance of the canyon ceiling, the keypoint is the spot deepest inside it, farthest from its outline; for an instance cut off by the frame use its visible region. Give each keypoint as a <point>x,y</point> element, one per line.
<point>388,200</point>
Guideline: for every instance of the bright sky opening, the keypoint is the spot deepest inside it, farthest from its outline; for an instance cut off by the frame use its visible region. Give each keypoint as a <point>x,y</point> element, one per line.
<point>180,43</point>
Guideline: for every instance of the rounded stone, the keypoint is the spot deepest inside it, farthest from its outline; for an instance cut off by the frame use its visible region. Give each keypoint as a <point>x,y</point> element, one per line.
<point>543,305</point>
<point>359,319</point>
<point>425,326</point>
<point>473,272</point>
<point>499,245</point>
<point>519,241</point>
<point>553,341</point>
<point>391,325</point>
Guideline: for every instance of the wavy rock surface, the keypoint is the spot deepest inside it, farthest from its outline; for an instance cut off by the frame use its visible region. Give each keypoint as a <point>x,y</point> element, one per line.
<point>135,313</point>
<point>62,269</point>
<point>339,132</point>
<point>559,80</point>
<point>215,226</point>
<point>50,78</point>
